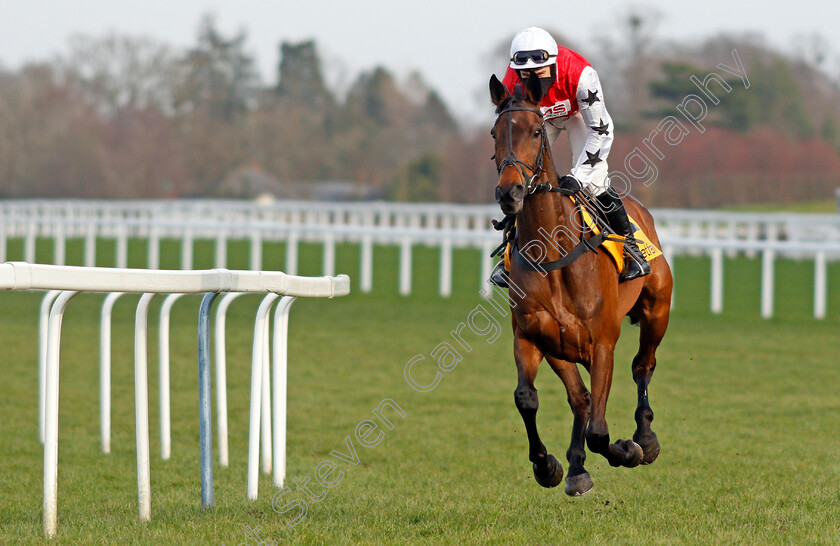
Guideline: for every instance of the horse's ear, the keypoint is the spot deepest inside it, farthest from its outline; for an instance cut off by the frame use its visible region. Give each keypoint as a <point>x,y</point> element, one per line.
<point>498,92</point>
<point>535,92</point>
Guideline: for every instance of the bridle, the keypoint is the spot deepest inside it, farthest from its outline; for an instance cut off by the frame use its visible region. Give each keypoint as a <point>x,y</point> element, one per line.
<point>518,164</point>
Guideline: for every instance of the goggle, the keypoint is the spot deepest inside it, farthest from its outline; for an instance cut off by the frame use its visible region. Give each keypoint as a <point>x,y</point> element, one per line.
<point>537,55</point>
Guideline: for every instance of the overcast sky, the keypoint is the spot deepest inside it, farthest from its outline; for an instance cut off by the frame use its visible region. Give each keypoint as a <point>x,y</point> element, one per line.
<point>447,41</point>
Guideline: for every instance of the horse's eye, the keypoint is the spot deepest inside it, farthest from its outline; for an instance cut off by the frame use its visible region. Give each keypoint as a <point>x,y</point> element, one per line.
<point>537,133</point>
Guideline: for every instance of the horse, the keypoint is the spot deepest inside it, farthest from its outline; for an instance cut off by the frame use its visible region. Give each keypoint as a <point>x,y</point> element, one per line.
<point>571,315</point>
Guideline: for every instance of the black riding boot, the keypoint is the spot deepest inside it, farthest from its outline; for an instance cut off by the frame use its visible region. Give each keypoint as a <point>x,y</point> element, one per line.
<point>499,275</point>
<point>637,265</point>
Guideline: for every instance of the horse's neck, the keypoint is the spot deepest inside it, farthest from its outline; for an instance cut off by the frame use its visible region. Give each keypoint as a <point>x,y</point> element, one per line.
<point>549,218</point>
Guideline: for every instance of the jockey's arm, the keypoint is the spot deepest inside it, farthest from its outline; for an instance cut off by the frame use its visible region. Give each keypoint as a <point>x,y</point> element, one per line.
<point>590,165</point>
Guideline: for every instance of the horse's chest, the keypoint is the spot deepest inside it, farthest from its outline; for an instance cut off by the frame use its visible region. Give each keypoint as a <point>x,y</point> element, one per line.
<point>556,332</point>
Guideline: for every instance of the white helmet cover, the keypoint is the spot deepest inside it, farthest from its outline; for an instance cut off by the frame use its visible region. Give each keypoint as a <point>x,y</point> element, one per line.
<point>533,39</point>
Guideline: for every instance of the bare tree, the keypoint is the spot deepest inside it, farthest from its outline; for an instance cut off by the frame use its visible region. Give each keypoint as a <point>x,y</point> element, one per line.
<point>52,140</point>
<point>637,28</point>
<point>814,49</point>
<point>117,72</point>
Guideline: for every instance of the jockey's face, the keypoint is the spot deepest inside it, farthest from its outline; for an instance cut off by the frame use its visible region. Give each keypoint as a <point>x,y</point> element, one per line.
<point>542,72</point>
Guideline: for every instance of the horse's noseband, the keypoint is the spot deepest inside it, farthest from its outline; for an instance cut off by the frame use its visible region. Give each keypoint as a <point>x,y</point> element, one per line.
<point>514,161</point>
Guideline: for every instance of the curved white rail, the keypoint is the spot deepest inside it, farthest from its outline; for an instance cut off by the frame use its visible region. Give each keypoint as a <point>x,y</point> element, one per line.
<point>221,376</point>
<point>71,280</point>
<point>257,371</point>
<point>105,370</point>
<point>43,332</point>
<point>51,415</point>
<point>141,408</point>
<point>163,367</point>
<point>280,359</point>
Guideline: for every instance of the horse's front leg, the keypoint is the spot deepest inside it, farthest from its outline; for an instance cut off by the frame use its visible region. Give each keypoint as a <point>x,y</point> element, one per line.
<point>578,482</point>
<point>547,469</point>
<point>624,452</point>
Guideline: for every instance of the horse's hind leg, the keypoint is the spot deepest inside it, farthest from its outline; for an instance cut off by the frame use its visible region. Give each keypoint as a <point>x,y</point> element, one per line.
<point>652,311</point>
<point>623,452</point>
<point>547,469</point>
<point>578,481</point>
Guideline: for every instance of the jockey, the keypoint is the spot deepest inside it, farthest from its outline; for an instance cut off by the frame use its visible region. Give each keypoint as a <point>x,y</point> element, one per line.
<point>573,101</point>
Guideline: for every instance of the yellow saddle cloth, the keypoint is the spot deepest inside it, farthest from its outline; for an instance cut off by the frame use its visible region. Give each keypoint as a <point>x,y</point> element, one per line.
<point>614,248</point>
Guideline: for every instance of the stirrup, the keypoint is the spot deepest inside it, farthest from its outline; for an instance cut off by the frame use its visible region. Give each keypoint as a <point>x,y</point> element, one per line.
<point>635,265</point>
<point>498,276</point>
<point>634,270</point>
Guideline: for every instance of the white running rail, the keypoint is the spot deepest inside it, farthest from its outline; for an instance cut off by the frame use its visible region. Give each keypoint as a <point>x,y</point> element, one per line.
<point>717,234</point>
<point>70,280</point>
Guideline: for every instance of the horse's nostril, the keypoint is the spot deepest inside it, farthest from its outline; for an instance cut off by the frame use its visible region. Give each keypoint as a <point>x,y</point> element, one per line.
<point>514,193</point>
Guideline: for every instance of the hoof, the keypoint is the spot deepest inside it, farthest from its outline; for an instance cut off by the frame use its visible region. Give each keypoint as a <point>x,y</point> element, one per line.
<point>650,447</point>
<point>635,453</point>
<point>578,485</point>
<point>551,475</point>
<point>626,453</point>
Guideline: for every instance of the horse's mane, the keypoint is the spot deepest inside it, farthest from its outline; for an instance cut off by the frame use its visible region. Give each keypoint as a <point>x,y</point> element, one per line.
<point>519,95</point>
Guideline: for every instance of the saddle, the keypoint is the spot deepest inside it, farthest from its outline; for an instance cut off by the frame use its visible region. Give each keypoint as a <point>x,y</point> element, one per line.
<point>601,239</point>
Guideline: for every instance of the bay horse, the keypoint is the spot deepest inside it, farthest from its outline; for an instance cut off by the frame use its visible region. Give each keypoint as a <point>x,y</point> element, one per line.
<point>571,315</point>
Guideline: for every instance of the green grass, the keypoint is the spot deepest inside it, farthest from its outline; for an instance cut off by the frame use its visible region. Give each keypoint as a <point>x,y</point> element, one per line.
<point>746,412</point>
